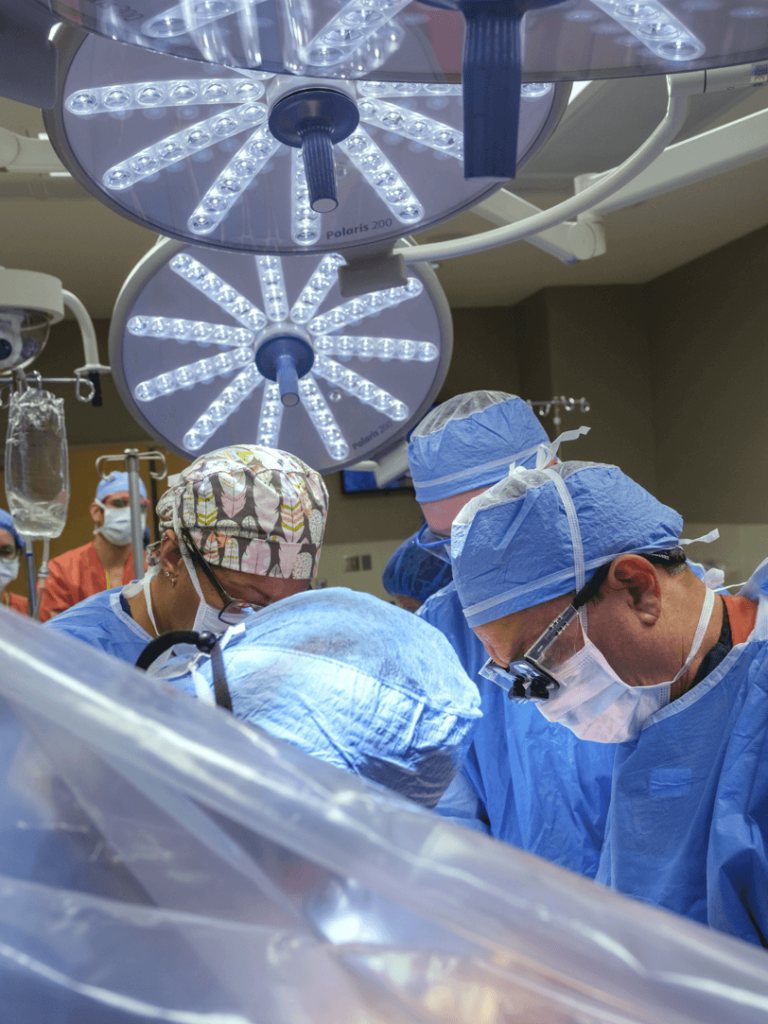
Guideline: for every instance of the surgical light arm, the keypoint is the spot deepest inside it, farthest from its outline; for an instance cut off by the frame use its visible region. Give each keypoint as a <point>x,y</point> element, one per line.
<point>594,198</point>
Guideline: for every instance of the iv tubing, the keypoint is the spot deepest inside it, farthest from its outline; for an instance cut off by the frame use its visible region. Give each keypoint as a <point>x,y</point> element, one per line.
<point>679,89</point>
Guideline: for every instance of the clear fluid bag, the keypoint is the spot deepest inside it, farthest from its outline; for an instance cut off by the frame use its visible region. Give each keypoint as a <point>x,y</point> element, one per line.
<point>37,464</point>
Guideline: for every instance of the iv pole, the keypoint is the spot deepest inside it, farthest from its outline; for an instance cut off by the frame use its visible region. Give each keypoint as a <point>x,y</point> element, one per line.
<point>132,457</point>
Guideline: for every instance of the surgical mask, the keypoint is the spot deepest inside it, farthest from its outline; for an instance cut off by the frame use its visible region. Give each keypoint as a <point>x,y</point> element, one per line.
<point>117,525</point>
<point>9,571</point>
<point>596,704</point>
<point>207,618</point>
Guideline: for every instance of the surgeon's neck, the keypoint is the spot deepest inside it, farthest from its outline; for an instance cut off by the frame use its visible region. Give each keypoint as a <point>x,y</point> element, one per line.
<point>112,556</point>
<point>646,636</point>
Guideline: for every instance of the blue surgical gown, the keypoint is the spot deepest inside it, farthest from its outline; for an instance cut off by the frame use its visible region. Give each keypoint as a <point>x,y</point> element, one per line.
<point>102,622</point>
<point>688,827</point>
<point>536,785</point>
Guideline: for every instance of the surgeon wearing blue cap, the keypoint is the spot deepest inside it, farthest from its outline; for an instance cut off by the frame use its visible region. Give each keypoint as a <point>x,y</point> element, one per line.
<point>11,547</point>
<point>574,579</point>
<point>414,574</point>
<point>104,562</point>
<point>524,780</point>
<point>354,681</point>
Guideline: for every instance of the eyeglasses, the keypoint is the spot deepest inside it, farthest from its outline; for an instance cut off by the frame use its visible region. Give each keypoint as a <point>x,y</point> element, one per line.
<point>531,678</point>
<point>9,552</point>
<point>428,540</point>
<point>230,605</point>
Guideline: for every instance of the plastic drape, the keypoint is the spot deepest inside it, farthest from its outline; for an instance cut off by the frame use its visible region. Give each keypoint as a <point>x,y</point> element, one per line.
<point>37,464</point>
<point>161,861</point>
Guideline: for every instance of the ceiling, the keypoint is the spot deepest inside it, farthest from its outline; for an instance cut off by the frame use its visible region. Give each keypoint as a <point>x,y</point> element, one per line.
<point>52,225</point>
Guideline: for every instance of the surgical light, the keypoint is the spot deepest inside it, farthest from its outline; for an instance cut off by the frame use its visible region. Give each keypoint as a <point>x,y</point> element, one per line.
<point>211,348</point>
<point>212,155</point>
<point>507,41</point>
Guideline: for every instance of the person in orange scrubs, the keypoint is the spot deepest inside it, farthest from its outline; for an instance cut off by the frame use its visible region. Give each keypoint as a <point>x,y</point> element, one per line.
<point>103,563</point>
<point>11,547</point>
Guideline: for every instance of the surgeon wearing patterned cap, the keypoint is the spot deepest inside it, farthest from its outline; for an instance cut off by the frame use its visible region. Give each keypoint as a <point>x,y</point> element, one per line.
<point>243,528</point>
<point>525,781</point>
<point>575,581</point>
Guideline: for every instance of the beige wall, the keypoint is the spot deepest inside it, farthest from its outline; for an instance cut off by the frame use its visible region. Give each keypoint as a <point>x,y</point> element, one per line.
<point>676,372</point>
<point>707,331</point>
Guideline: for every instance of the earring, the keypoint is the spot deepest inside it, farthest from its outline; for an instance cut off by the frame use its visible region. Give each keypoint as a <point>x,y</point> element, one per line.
<point>171,578</point>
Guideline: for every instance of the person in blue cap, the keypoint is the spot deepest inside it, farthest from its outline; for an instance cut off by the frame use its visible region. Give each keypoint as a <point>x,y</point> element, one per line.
<point>354,681</point>
<point>414,574</point>
<point>524,781</point>
<point>104,562</point>
<point>11,547</point>
<point>574,579</point>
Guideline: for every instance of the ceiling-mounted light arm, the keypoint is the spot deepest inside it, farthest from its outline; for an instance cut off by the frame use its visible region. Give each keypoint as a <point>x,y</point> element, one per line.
<point>679,87</point>
<point>20,155</point>
<point>90,348</point>
<point>568,242</point>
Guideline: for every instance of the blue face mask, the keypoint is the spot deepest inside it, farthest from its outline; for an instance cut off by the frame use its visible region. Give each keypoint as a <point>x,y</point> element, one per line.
<point>439,546</point>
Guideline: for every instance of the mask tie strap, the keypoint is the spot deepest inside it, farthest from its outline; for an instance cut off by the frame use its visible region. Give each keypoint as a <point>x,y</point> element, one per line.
<point>547,452</point>
<point>186,558</point>
<point>573,524</point>
<point>701,629</point>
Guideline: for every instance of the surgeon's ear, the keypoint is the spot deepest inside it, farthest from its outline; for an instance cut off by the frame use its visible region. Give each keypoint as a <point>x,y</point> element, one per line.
<point>97,513</point>
<point>170,555</point>
<point>639,579</point>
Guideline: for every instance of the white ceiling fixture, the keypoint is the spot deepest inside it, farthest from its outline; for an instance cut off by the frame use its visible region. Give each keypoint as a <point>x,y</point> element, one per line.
<point>211,348</point>
<point>191,151</point>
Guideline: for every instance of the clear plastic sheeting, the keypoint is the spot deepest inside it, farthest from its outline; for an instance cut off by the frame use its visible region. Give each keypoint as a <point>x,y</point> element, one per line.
<point>37,463</point>
<point>161,861</point>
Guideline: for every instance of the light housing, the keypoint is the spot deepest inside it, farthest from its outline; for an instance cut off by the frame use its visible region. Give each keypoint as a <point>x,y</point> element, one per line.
<point>188,331</point>
<point>186,150</point>
<point>395,40</point>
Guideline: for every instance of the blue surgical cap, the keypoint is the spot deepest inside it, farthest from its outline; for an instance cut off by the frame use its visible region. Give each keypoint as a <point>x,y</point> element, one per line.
<point>6,523</point>
<point>512,547</point>
<point>415,572</point>
<point>470,441</point>
<point>116,483</point>
<point>358,683</point>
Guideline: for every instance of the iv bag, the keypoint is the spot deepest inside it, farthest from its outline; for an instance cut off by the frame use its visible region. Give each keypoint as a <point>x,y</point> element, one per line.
<point>37,464</point>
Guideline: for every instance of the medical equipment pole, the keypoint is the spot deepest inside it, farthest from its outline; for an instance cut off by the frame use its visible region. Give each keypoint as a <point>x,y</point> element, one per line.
<point>137,541</point>
<point>29,561</point>
<point>132,457</point>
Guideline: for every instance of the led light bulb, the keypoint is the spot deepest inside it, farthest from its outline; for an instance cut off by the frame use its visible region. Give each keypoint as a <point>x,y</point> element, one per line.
<point>382,176</point>
<point>656,27</point>
<point>323,419</point>
<point>199,276</point>
<point>190,16</point>
<point>348,30</point>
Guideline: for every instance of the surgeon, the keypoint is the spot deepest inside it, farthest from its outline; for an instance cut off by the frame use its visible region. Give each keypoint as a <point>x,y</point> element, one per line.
<point>243,528</point>
<point>524,781</point>
<point>11,548</point>
<point>413,574</point>
<point>574,580</point>
<point>354,681</point>
<point>102,563</point>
